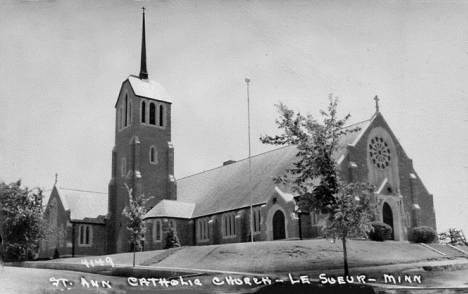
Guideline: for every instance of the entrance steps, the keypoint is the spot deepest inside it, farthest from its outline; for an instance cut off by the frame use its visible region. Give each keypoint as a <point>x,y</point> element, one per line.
<point>447,250</point>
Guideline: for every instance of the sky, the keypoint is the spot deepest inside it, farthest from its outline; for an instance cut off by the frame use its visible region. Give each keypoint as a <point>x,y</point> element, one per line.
<point>62,64</point>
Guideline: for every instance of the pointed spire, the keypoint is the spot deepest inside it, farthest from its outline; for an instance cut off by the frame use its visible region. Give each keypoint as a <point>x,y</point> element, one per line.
<point>143,70</point>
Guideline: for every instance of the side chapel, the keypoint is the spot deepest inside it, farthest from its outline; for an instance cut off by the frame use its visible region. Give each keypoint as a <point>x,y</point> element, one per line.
<point>213,207</point>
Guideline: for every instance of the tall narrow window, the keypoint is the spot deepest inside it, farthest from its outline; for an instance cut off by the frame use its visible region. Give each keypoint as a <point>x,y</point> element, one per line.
<point>229,224</point>
<point>256,219</point>
<point>157,228</point>
<point>153,155</point>
<point>85,235</point>
<point>202,228</point>
<point>126,111</point>
<point>233,224</point>
<point>143,111</point>
<point>152,114</point>
<point>161,115</point>
<point>81,240</point>
<point>130,112</point>
<point>123,168</point>
<point>87,238</point>
<point>225,221</point>
<point>122,117</point>
<point>118,119</point>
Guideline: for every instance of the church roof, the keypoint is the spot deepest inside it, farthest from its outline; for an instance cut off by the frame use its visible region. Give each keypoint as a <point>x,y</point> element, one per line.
<point>171,208</point>
<point>149,89</point>
<point>84,206</point>
<point>228,187</point>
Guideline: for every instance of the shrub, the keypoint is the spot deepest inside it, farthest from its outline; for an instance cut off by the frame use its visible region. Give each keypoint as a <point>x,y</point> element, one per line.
<point>424,234</point>
<point>380,231</point>
<point>170,238</point>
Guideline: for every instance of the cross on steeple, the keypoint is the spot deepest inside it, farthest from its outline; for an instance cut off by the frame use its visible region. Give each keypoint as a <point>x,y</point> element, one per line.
<point>143,70</point>
<point>56,176</point>
<point>376,98</point>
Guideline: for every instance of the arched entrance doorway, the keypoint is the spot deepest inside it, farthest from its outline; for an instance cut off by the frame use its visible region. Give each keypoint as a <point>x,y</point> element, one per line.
<point>388,218</point>
<point>279,231</point>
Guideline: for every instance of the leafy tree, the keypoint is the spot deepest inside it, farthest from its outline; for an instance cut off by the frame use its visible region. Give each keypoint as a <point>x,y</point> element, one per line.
<point>453,237</point>
<point>24,221</point>
<point>350,214</point>
<point>136,226</point>
<point>314,176</point>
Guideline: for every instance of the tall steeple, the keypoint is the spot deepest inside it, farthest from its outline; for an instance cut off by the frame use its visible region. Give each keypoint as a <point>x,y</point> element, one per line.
<point>143,70</point>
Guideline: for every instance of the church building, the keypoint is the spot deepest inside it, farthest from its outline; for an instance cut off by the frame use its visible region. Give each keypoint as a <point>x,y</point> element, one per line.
<point>224,204</point>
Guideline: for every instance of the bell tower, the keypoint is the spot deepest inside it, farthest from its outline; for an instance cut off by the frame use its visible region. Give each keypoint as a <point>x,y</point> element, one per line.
<point>143,155</point>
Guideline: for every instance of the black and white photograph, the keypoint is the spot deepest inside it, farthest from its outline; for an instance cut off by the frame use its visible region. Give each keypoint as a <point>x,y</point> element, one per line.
<point>242,146</point>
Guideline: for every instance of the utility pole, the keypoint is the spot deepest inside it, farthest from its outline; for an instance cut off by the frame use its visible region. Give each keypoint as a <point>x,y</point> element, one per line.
<point>247,80</point>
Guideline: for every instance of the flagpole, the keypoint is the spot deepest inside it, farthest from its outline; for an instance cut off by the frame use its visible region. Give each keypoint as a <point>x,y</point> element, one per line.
<point>247,80</point>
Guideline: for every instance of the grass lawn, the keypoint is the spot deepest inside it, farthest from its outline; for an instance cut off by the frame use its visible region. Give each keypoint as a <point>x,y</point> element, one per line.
<point>278,256</point>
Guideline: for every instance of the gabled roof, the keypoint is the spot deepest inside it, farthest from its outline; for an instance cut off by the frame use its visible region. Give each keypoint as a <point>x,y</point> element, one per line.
<point>228,187</point>
<point>149,89</point>
<point>171,208</point>
<point>85,206</point>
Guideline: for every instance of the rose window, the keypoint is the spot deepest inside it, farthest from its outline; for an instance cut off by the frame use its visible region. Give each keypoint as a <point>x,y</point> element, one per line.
<point>379,152</point>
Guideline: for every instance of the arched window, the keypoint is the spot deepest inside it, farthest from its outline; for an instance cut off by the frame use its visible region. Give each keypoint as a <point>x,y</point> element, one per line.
<point>202,229</point>
<point>143,111</point>
<point>122,117</point>
<point>229,224</point>
<point>88,234</point>
<point>256,219</point>
<point>118,119</point>
<point>157,231</point>
<point>153,155</point>
<point>152,114</point>
<point>85,235</point>
<point>130,112</point>
<point>126,111</point>
<point>123,167</point>
<point>161,115</point>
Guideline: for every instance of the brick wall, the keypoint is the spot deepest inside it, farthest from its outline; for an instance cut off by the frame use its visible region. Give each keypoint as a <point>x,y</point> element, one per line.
<point>411,189</point>
<point>47,247</point>
<point>152,180</point>
<point>184,231</point>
